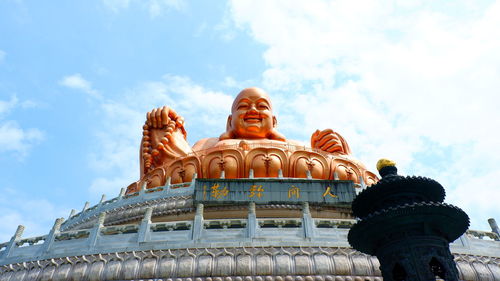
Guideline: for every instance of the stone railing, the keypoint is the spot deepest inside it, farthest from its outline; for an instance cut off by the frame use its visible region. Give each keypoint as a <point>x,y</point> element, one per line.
<point>250,232</point>
<point>147,235</point>
<point>122,200</point>
<point>482,234</point>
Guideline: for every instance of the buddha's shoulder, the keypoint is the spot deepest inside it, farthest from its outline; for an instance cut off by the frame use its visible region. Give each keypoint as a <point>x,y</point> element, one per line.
<point>205,144</point>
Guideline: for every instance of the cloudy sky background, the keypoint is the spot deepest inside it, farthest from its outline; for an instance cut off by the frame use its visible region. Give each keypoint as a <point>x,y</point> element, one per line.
<point>414,81</point>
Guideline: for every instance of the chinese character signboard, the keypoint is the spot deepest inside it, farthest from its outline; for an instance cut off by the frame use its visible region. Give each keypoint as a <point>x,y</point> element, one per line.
<point>230,191</point>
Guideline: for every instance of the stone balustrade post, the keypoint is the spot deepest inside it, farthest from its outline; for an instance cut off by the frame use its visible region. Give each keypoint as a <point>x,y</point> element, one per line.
<point>494,226</point>
<point>95,232</point>
<point>86,206</point>
<point>251,221</point>
<point>307,221</point>
<point>250,174</point>
<point>335,176</point>
<point>198,222</point>
<point>358,187</point>
<point>280,173</point>
<point>145,226</point>
<point>167,189</point>
<point>122,193</point>
<point>12,243</point>
<point>49,240</point>
<point>143,188</point>
<point>72,213</point>
<point>362,183</point>
<point>223,174</point>
<point>308,174</point>
<point>193,182</point>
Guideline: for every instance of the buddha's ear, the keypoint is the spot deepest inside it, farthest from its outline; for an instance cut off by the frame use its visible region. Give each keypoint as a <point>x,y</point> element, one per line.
<point>275,122</point>
<point>228,124</point>
<point>228,134</point>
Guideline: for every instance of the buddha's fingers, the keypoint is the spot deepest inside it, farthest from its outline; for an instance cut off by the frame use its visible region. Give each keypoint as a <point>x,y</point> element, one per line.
<point>335,148</point>
<point>314,138</point>
<point>172,114</point>
<point>164,116</point>
<point>325,132</point>
<point>148,119</point>
<point>152,118</point>
<point>158,117</point>
<point>331,143</point>
<point>326,139</point>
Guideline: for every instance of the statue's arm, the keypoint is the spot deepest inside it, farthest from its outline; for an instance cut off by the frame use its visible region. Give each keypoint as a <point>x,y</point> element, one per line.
<point>164,138</point>
<point>329,141</point>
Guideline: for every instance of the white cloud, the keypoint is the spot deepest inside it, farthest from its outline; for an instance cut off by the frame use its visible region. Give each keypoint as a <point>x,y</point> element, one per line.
<point>154,7</point>
<point>6,106</point>
<point>77,82</point>
<point>392,78</point>
<point>17,208</point>
<point>110,186</point>
<point>14,137</point>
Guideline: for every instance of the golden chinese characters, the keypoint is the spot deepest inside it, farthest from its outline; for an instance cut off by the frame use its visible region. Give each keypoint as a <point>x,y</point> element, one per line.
<point>256,191</point>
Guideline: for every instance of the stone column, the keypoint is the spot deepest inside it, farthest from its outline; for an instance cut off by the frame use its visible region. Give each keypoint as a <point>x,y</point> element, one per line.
<point>49,240</point>
<point>72,213</point>
<point>86,206</point>
<point>307,221</point>
<point>145,226</point>
<point>251,221</point>
<point>198,222</point>
<point>96,231</point>
<point>494,226</point>
<point>122,193</point>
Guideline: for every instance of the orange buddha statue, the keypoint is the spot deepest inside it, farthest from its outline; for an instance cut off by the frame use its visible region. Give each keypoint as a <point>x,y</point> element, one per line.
<point>251,142</point>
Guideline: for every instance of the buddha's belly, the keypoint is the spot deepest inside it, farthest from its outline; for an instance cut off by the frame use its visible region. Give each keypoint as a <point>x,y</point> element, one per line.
<point>241,159</point>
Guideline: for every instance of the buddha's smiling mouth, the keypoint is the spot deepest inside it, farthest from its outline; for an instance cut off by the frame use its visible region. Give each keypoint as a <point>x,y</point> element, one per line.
<point>252,119</point>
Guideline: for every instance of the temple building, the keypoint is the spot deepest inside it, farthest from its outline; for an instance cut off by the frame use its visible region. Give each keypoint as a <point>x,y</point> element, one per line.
<point>247,205</point>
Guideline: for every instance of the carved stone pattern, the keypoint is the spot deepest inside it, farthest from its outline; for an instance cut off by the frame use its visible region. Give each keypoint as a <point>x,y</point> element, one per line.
<point>228,264</point>
<point>264,159</point>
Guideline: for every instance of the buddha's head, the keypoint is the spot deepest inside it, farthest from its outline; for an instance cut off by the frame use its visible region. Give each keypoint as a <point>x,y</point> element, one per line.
<point>251,116</point>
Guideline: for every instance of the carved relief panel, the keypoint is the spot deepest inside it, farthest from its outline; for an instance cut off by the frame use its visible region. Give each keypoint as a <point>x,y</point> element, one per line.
<point>303,161</point>
<point>230,161</point>
<point>370,178</point>
<point>183,170</point>
<point>266,162</point>
<point>345,170</point>
<point>154,178</point>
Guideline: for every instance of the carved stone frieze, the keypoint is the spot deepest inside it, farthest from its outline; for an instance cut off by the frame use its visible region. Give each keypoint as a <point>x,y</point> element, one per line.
<point>239,263</point>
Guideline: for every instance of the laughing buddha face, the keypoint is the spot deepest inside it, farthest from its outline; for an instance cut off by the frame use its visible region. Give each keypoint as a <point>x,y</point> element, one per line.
<point>251,115</point>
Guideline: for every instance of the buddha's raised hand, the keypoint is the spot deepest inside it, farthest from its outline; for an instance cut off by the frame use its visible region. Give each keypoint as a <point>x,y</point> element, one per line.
<point>329,141</point>
<point>164,138</point>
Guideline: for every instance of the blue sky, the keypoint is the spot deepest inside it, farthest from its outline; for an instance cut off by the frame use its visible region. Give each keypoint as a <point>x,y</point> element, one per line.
<point>415,81</point>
